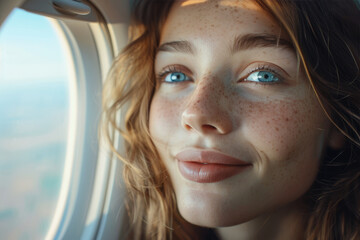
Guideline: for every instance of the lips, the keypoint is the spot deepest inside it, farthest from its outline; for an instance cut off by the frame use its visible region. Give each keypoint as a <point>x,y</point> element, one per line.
<point>207,166</point>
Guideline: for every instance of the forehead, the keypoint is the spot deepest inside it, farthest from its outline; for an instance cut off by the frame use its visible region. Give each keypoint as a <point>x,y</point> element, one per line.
<point>216,18</point>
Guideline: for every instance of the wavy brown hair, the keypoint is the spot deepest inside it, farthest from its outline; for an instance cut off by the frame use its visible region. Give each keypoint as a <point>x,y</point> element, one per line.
<point>326,38</point>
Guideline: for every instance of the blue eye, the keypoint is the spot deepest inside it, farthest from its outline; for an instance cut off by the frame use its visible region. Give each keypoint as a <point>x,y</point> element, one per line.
<point>176,77</point>
<point>263,77</point>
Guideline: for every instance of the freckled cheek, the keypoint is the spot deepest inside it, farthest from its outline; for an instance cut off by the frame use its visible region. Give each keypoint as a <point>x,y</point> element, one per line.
<point>277,127</point>
<point>165,116</point>
<point>286,132</point>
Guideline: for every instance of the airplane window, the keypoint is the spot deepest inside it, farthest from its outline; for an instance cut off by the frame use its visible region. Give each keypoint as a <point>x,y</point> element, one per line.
<point>34,102</point>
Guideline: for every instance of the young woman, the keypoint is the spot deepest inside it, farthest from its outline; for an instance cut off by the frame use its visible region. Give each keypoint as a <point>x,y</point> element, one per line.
<point>242,119</point>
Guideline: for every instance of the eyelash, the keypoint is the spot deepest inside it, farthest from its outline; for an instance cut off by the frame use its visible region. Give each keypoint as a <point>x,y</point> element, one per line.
<point>262,68</point>
<point>167,70</point>
<point>173,68</point>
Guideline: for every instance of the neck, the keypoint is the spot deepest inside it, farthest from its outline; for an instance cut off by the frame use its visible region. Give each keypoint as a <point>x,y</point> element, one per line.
<point>282,224</point>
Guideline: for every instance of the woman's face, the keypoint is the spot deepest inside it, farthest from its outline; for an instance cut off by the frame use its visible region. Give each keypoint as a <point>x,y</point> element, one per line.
<point>238,128</point>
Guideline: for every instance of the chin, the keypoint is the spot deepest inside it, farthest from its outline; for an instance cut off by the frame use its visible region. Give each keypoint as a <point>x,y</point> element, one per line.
<point>211,220</point>
<point>211,213</point>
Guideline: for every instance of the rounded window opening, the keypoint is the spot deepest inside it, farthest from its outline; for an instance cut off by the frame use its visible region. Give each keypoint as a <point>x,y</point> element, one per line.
<point>34,112</point>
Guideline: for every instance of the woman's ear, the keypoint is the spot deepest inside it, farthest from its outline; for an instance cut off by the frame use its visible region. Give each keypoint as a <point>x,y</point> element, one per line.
<point>336,138</point>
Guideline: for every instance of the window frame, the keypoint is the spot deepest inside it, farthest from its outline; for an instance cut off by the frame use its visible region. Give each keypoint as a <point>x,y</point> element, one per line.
<point>90,204</point>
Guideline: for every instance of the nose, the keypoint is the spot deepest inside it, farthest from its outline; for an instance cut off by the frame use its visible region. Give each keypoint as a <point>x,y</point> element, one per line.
<point>208,110</point>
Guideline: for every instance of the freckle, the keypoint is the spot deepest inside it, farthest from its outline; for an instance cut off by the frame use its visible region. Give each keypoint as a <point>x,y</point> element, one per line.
<point>217,5</point>
<point>277,129</point>
<point>267,122</point>
<point>287,119</point>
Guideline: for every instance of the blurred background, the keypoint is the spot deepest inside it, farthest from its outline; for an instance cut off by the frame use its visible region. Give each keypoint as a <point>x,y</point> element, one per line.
<point>34,105</point>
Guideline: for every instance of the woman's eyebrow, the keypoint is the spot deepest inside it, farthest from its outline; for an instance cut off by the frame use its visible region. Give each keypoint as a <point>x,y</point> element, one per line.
<point>176,46</point>
<point>248,41</point>
<point>240,43</point>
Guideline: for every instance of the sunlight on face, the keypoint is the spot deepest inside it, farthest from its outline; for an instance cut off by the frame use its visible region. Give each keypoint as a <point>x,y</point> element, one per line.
<point>231,3</point>
<point>229,96</point>
<point>191,2</point>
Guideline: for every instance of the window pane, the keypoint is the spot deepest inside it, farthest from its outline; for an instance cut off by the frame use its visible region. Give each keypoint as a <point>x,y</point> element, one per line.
<point>33,124</point>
